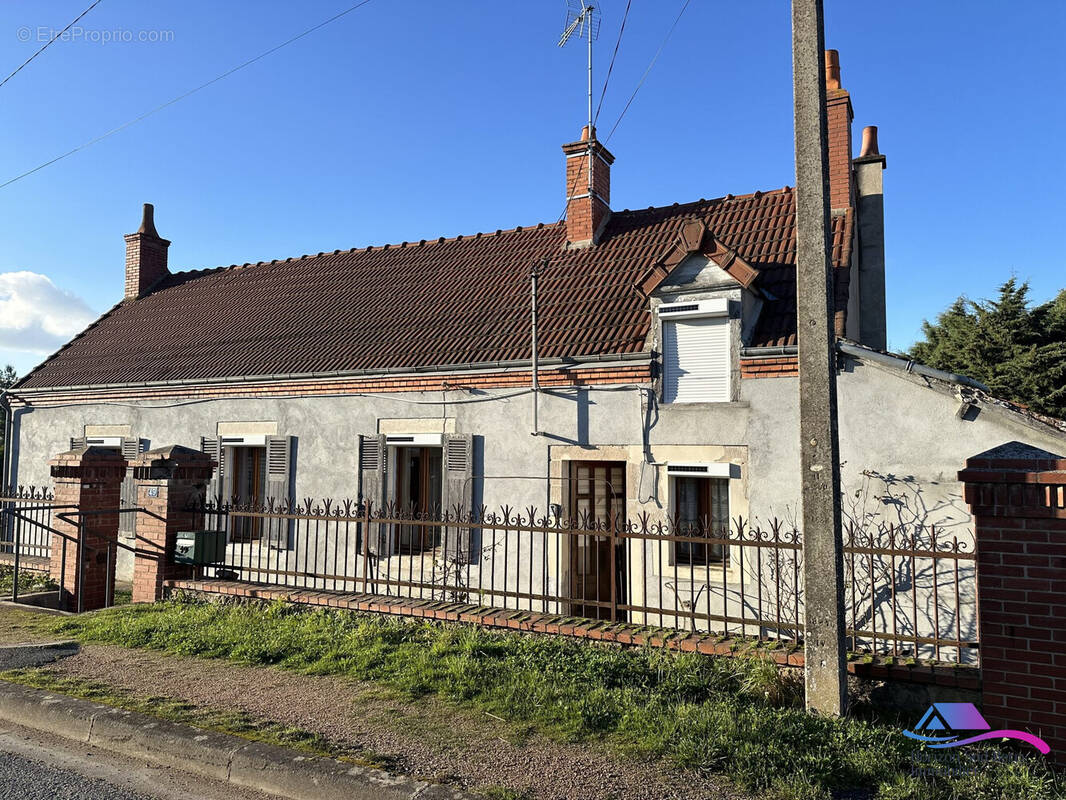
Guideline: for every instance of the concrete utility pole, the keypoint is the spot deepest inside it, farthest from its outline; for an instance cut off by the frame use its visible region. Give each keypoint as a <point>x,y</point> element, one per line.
<point>823,562</point>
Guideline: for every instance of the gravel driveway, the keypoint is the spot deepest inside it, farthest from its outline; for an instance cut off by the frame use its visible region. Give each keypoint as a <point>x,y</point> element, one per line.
<point>425,738</point>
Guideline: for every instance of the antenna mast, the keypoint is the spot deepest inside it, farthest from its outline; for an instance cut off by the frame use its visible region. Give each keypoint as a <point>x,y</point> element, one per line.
<point>583,19</point>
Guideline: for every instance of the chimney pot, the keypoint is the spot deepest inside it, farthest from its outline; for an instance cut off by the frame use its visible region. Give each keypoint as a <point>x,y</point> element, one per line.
<point>148,221</point>
<point>869,142</point>
<point>832,70</point>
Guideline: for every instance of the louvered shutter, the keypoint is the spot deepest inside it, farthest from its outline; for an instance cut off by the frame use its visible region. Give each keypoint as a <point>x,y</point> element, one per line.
<point>77,442</point>
<point>372,456</point>
<point>127,523</point>
<point>278,485</point>
<point>458,486</point>
<point>696,360</point>
<point>212,446</point>
<point>131,447</point>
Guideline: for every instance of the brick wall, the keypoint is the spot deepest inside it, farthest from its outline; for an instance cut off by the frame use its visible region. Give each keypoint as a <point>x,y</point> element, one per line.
<point>1017,495</point>
<point>781,367</point>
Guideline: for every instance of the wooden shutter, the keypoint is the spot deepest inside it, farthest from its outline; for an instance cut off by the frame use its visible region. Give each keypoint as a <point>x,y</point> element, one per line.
<point>279,467</point>
<point>696,360</point>
<point>372,456</point>
<point>458,488</point>
<point>278,486</point>
<point>212,445</point>
<point>77,442</point>
<point>127,523</point>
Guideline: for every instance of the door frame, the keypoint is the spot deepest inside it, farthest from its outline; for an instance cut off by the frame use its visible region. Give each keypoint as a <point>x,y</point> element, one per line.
<point>611,583</point>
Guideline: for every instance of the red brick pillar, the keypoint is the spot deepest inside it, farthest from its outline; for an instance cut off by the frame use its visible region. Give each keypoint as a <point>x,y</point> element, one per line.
<point>171,485</point>
<point>87,486</point>
<point>1018,497</point>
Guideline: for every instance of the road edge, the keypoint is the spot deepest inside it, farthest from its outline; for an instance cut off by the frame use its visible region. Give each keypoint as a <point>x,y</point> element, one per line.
<point>254,765</point>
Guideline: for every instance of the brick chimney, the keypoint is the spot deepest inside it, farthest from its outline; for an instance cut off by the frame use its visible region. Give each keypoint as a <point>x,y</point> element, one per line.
<point>588,199</point>
<point>146,257</point>
<point>838,119</point>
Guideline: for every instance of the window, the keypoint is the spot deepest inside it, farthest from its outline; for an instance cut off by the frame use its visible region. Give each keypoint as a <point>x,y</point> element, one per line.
<point>701,507</point>
<point>696,358</point>
<point>248,472</point>
<point>418,493</point>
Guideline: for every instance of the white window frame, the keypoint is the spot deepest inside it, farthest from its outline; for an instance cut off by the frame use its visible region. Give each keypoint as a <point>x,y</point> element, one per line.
<point>667,557</point>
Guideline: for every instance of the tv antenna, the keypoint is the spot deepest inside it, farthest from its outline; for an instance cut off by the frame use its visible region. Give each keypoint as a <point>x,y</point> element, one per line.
<point>583,19</point>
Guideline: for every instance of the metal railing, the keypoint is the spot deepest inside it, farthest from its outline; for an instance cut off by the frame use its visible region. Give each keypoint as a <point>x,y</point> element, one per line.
<point>907,593</point>
<point>910,590</point>
<point>27,520</point>
<point>34,540</point>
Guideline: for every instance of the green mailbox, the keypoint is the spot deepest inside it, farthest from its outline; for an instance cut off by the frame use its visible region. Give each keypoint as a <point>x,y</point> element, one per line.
<point>200,547</point>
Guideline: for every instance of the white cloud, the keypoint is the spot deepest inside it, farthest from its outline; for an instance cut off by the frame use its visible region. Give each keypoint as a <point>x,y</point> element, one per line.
<point>36,316</point>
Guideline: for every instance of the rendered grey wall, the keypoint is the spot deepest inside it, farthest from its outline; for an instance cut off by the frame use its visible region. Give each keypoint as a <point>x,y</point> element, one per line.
<point>901,439</point>
<point>890,423</point>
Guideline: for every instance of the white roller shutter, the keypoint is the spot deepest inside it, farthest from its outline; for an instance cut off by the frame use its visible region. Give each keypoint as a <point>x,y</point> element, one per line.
<point>696,363</point>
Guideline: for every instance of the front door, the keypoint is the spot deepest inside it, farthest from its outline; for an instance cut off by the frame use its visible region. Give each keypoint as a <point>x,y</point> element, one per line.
<point>418,493</point>
<point>597,564</point>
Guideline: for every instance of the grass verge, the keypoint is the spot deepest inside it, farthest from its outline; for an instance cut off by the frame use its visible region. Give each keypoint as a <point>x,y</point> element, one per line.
<point>734,716</point>
<point>236,723</point>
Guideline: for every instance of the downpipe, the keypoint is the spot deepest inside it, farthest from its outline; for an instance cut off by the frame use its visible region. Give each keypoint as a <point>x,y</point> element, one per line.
<point>534,275</point>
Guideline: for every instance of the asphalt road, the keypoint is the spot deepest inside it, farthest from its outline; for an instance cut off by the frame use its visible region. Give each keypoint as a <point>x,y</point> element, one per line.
<point>35,766</point>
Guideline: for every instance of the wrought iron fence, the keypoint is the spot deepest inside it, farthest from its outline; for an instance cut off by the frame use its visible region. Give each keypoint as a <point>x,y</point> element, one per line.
<point>910,590</point>
<point>25,516</point>
<point>906,592</point>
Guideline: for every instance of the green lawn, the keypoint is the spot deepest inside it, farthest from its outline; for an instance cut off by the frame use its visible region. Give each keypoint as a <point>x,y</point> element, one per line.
<point>737,716</point>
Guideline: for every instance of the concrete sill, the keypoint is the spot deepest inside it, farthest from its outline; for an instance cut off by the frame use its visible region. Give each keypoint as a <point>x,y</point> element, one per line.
<point>704,406</point>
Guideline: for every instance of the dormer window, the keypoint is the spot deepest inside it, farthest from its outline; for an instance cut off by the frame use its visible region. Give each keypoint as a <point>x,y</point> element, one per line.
<point>696,357</point>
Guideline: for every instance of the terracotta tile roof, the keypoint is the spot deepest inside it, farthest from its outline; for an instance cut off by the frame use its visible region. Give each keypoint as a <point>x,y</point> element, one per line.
<point>447,301</point>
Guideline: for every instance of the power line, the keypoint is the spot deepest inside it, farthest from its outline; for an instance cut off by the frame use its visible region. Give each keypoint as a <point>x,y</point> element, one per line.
<point>614,55</point>
<point>181,97</point>
<point>46,44</point>
<point>643,77</point>
<point>629,102</point>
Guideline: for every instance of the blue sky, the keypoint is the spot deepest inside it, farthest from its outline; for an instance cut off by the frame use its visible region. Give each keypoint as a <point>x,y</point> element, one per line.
<point>413,120</point>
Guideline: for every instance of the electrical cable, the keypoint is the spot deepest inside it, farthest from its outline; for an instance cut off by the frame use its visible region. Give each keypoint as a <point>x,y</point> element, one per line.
<point>629,102</point>
<point>361,395</point>
<point>610,67</point>
<point>46,44</point>
<point>643,77</point>
<point>181,97</point>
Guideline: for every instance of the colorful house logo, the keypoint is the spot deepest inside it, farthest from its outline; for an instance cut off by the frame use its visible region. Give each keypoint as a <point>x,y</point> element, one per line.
<point>940,727</point>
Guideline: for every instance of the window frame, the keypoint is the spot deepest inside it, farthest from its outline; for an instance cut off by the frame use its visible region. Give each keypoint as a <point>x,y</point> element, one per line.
<point>706,502</point>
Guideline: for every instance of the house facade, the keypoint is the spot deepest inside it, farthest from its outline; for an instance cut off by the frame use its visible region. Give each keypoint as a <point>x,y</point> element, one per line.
<point>665,381</point>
